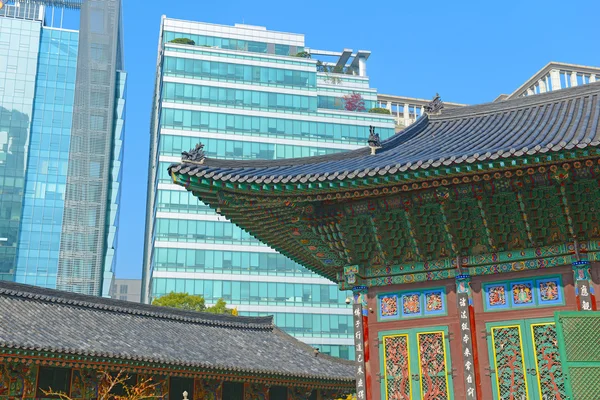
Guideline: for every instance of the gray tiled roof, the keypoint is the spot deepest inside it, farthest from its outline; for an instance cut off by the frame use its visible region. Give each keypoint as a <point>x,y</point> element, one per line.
<point>563,119</point>
<point>33,318</point>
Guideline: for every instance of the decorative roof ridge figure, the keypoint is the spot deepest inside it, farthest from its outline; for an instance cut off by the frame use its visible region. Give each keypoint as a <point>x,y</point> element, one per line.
<point>194,156</point>
<point>374,141</point>
<point>435,106</point>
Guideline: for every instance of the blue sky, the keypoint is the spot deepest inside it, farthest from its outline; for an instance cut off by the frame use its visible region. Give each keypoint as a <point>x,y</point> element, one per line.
<point>469,52</point>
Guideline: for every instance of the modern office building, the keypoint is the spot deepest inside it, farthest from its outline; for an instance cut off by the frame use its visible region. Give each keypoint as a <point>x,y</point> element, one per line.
<point>553,76</point>
<point>406,110</point>
<point>247,93</point>
<point>62,94</point>
<point>126,289</point>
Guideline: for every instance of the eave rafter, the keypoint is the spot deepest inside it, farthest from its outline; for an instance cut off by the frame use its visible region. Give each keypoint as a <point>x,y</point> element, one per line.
<point>320,217</point>
<point>381,252</point>
<point>484,220</point>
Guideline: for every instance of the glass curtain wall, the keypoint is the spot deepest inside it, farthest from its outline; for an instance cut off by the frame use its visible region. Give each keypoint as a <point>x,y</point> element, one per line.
<point>245,98</point>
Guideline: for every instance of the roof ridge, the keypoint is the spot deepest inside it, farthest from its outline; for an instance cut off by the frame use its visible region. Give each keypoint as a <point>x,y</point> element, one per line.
<point>282,162</point>
<point>298,343</point>
<point>28,292</point>
<point>516,103</point>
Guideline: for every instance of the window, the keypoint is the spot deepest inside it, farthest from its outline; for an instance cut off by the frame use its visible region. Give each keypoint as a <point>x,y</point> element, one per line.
<point>56,378</point>
<point>278,393</point>
<point>179,385</point>
<point>233,390</point>
<point>97,51</point>
<point>123,289</point>
<point>97,21</point>
<point>97,122</point>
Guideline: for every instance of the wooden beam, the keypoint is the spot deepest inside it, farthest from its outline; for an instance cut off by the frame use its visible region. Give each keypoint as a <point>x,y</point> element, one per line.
<point>375,233</point>
<point>485,224</point>
<point>525,219</point>
<point>411,233</point>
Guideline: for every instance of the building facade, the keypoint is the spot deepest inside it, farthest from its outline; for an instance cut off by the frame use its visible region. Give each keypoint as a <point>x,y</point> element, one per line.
<point>247,94</point>
<point>406,110</point>
<point>126,289</point>
<point>471,241</point>
<point>61,134</point>
<point>555,76</point>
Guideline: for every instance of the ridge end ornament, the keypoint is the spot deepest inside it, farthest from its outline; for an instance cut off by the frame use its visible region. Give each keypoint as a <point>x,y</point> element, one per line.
<point>194,156</point>
<point>435,106</point>
<point>374,140</point>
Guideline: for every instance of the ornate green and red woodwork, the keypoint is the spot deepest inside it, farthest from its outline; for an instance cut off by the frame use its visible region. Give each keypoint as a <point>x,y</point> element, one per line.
<point>207,389</point>
<point>432,360</point>
<point>397,368</point>
<point>509,363</point>
<point>17,380</point>
<point>84,383</point>
<point>501,216</point>
<point>299,393</point>
<point>548,363</point>
<point>255,391</point>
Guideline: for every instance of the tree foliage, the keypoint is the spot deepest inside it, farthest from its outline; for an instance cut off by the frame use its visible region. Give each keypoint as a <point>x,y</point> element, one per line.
<point>183,41</point>
<point>191,302</point>
<point>354,102</point>
<point>107,385</point>
<point>379,110</point>
<point>303,54</point>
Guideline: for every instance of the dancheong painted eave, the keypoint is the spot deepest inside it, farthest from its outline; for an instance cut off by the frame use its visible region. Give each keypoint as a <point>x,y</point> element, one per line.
<point>463,184</point>
<point>476,137</point>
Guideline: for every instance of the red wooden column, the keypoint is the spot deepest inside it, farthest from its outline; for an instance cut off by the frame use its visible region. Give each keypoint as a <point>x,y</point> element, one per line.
<point>468,337</point>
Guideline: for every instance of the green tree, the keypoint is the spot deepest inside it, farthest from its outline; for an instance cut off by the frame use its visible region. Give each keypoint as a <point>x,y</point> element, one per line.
<point>191,302</point>
<point>219,308</point>
<point>182,40</point>
<point>379,110</point>
<point>303,54</point>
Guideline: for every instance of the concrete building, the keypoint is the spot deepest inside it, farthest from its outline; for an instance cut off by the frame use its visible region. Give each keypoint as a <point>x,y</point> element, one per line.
<point>406,110</point>
<point>126,289</point>
<point>62,94</point>
<point>247,93</point>
<point>555,76</point>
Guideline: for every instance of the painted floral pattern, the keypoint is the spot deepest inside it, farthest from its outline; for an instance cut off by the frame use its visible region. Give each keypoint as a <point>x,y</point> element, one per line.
<point>433,302</point>
<point>509,363</point>
<point>389,306</point>
<point>411,304</point>
<point>433,366</point>
<point>548,290</point>
<point>522,293</point>
<point>497,296</point>
<point>552,381</point>
<point>397,370</point>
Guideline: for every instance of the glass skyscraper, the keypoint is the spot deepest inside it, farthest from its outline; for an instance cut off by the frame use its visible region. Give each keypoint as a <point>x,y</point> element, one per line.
<point>61,126</point>
<point>248,93</point>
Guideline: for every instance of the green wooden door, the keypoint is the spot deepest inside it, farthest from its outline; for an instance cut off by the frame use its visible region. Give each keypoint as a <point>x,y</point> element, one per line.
<point>525,362</point>
<point>579,342</point>
<point>415,364</point>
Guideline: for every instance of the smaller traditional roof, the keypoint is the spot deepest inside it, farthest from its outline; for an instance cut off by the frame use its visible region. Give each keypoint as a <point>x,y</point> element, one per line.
<point>39,319</point>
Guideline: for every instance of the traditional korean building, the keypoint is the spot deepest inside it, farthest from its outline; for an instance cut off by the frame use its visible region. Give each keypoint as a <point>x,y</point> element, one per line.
<point>63,340</point>
<point>471,240</point>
